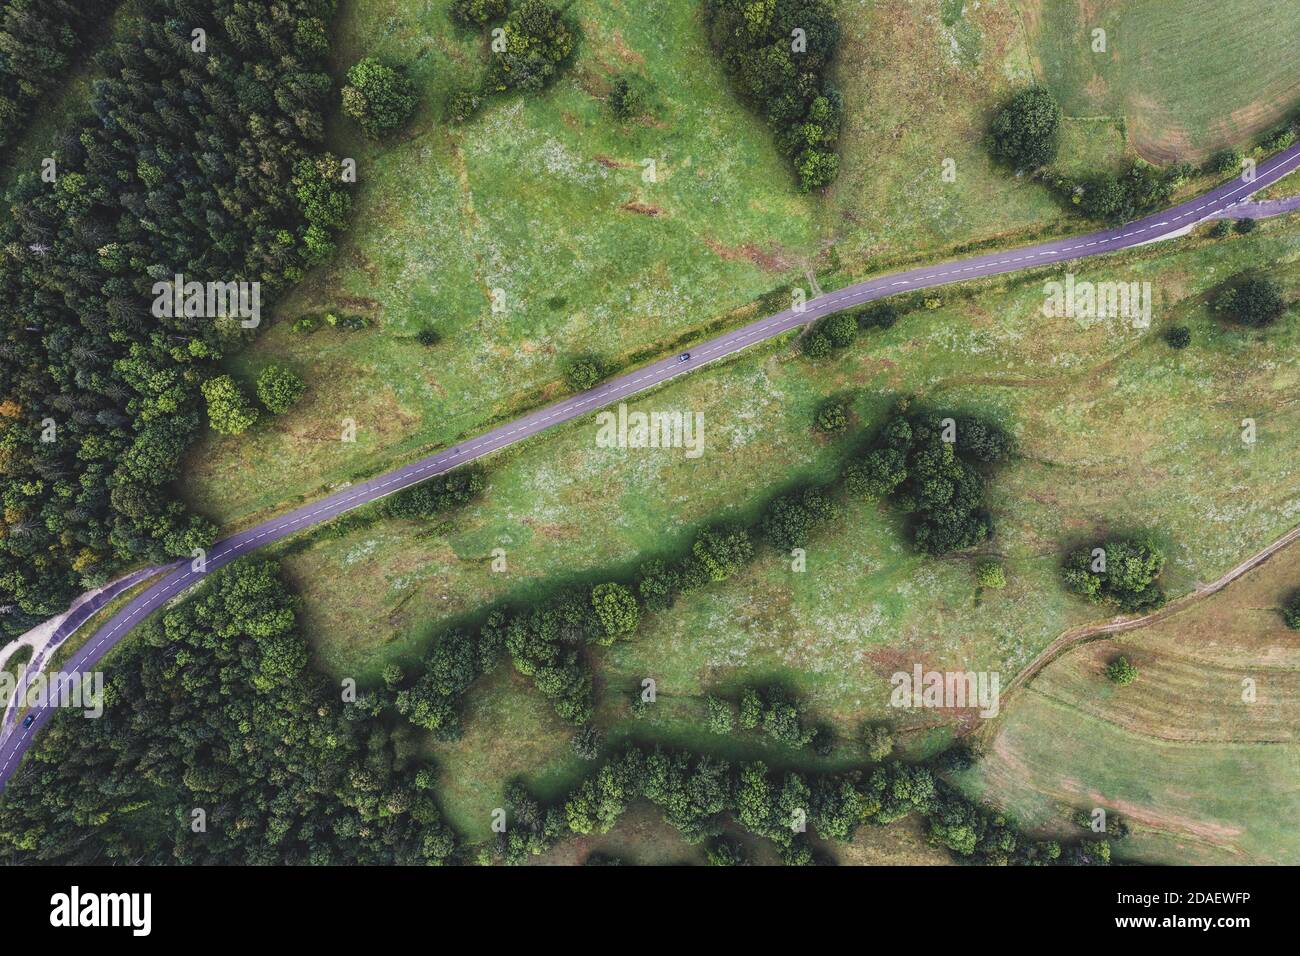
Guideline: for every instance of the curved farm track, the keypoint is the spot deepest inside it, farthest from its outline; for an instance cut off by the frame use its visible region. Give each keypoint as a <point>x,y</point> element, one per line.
<point>1087,633</point>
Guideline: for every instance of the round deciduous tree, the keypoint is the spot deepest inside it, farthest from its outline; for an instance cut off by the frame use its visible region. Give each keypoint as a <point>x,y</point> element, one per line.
<point>616,609</point>
<point>1026,131</point>
<point>841,329</point>
<point>720,717</point>
<point>278,388</point>
<point>1256,302</point>
<point>229,410</point>
<point>582,373</point>
<point>379,97</point>
<point>832,418</point>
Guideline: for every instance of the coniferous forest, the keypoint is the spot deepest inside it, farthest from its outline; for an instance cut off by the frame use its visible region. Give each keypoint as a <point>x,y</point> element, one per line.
<point>201,157</point>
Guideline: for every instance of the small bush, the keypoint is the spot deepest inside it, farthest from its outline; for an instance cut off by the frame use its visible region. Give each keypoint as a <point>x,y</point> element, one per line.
<point>428,336</point>
<point>990,574</point>
<point>1225,162</point>
<point>1220,229</point>
<point>464,104</point>
<point>1178,336</point>
<point>583,373</point>
<point>586,743</point>
<point>1121,671</point>
<point>720,718</point>
<point>841,329</point>
<point>626,97</point>
<point>724,852</point>
<point>878,741</point>
<point>1280,138</point>
<point>478,13</point>
<point>823,740</point>
<point>1245,227</point>
<point>278,388</point>
<point>816,345</point>
<point>1291,613</point>
<point>832,418</point>
<point>881,315</point>
<point>751,709</point>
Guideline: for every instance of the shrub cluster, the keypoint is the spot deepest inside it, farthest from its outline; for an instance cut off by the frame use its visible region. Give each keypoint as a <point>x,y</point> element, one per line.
<point>840,330</point>
<point>437,495</point>
<point>1127,195</point>
<point>1123,572</point>
<point>536,41</point>
<point>698,794</point>
<point>928,465</point>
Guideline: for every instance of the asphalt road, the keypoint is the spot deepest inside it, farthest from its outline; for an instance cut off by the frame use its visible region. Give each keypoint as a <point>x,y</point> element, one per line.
<point>1171,222</point>
<point>76,616</point>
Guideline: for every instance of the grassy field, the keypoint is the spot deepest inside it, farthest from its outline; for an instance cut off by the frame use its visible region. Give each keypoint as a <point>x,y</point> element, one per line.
<point>1117,432</point>
<point>1198,772</point>
<point>544,199</point>
<point>1187,78</point>
<point>542,202</point>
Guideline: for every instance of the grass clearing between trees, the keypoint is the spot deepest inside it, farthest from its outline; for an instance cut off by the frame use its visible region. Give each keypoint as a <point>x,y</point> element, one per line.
<point>1117,432</point>
<point>544,199</point>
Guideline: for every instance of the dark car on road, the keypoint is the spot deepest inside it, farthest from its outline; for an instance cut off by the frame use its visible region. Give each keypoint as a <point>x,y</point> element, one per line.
<point>684,357</point>
<point>29,720</point>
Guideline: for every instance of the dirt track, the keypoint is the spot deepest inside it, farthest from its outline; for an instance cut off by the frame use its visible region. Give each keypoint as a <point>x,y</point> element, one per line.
<point>1078,636</point>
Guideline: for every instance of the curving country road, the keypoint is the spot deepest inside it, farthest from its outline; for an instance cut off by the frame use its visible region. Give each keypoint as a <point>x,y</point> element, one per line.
<point>1172,222</point>
<point>45,639</point>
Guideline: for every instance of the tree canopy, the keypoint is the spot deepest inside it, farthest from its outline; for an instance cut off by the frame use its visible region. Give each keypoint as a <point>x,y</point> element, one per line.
<point>778,53</point>
<point>213,707</point>
<point>1123,572</point>
<point>381,98</point>
<point>1026,132</point>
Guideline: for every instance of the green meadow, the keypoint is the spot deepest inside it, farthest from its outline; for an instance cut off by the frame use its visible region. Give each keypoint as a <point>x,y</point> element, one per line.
<point>1117,432</point>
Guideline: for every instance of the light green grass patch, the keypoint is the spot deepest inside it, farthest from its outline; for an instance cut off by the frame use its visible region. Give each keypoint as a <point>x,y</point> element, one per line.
<point>544,200</point>
<point>1188,77</point>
